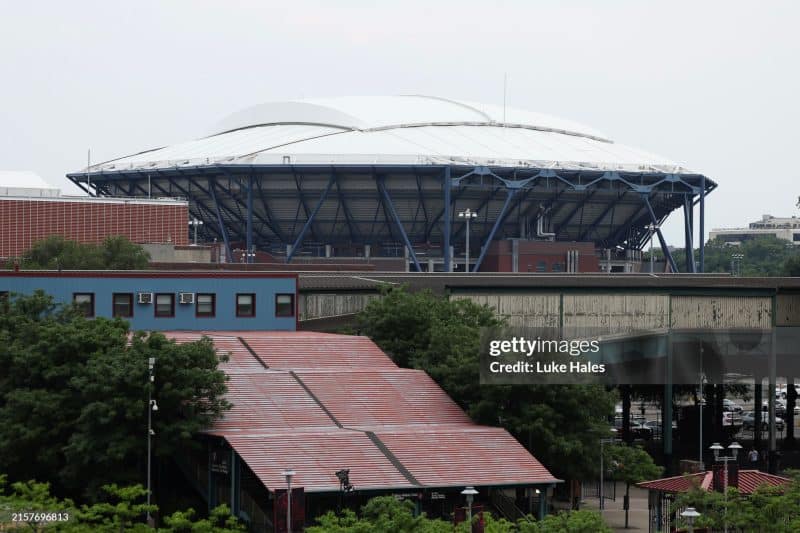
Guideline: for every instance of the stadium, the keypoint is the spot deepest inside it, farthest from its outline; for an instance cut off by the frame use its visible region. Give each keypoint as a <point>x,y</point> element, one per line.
<point>392,177</point>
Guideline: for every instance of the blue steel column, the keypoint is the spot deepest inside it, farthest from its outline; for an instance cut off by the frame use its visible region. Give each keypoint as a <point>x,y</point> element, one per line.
<point>249,219</point>
<point>388,200</point>
<point>498,221</point>
<point>702,223</point>
<point>447,221</point>
<point>661,240</point>
<point>307,225</point>
<point>212,184</point>
<point>688,230</point>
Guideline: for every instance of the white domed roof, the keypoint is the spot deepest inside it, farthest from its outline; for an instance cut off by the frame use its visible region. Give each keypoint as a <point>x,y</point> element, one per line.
<point>398,130</point>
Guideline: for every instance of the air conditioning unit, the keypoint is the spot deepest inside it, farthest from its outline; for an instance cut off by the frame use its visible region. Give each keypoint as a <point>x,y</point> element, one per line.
<point>145,298</point>
<point>186,297</point>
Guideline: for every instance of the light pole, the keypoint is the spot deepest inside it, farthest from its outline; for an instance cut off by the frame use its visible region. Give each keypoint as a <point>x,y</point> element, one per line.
<point>151,406</point>
<point>470,493</point>
<point>467,215</point>
<point>602,471</point>
<point>734,447</point>
<point>195,222</point>
<point>701,400</point>
<point>690,514</point>
<point>736,264</point>
<point>344,484</point>
<point>652,228</point>
<point>288,473</point>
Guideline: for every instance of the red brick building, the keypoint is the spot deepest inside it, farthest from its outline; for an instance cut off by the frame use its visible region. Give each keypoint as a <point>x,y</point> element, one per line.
<point>27,219</point>
<point>518,255</point>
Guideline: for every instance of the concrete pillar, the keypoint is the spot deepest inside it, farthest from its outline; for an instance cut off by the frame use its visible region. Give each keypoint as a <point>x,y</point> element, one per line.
<point>757,399</point>
<point>367,250</point>
<point>515,255</point>
<point>328,250</point>
<point>791,401</point>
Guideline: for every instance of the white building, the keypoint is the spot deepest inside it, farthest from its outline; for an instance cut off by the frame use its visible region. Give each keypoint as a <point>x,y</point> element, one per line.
<point>786,228</point>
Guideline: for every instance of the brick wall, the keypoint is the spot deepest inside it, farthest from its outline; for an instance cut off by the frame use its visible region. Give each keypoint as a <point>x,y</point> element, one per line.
<point>25,221</point>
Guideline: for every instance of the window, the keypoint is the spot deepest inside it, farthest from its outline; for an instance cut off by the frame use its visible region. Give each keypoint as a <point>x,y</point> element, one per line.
<point>284,305</point>
<point>541,266</point>
<point>165,305</point>
<point>85,303</point>
<point>205,305</point>
<point>245,305</point>
<point>558,267</point>
<point>122,304</point>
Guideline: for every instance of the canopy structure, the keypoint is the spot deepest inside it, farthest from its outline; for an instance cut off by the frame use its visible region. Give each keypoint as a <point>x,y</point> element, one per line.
<point>387,176</point>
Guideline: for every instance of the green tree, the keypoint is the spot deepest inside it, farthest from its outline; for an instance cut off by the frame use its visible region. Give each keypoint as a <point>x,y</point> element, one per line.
<point>56,252</point>
<point>791,267</point>
<point>763,256</point>
<point>442,336</point>
<point>382,513</point>
<point>567,522</point>
<point>121,509</point>
<point>73,395</point>
<point>630,464</point>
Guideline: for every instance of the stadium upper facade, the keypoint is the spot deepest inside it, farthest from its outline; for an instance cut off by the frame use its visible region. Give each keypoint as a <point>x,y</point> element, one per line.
<point>387,176</point>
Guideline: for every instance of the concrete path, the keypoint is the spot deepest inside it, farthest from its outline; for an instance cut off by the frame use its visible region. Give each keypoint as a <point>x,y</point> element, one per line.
<point>614,514</point>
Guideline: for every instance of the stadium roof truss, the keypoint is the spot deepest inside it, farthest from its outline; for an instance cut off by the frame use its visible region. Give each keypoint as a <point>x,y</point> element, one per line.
<point>412,209</point>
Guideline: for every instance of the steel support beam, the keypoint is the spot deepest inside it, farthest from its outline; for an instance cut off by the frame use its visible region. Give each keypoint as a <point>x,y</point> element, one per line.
<point>688,228</point>
<point>702,223</point>
<point>249,251</point>
<point>211,187</point>
<point>447,187</point>
<point>387,202</point>
<point>310,219</point>
<point>661,240</point>
<point>571,215</point>
<point>497,223</point>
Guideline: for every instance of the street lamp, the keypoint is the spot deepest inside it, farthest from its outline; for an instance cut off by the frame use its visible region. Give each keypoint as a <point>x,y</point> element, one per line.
<point>690,514</point>
<point>602,471</point>
<point>467,215</point>
<point>470,493</point>
<point>344,484</point>
<point>651,228</point>
<point>195,222</point>
<point>151,406</point>
<point>288,473</point>
<point>734,447</point>
<point>736,264</point>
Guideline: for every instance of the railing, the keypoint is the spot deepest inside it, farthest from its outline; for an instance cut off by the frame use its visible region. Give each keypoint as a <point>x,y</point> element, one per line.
<point>506,506</point>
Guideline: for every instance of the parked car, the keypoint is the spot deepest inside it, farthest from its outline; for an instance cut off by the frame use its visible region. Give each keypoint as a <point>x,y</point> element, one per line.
<point>655,428</point>
<point>638,428</point>
<point>731,419</point>
<point>730,405</point>
<point>780,408</point>
<point>748,422</point>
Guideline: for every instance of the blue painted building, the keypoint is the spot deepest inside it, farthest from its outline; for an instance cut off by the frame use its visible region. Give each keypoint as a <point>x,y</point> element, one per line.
<point>155,300</point>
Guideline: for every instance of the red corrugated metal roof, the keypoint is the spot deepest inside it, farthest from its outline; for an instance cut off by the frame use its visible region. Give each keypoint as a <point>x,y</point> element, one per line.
<point>470,455</point>
<point>378,398</point>
<point>749,481</point>
<point>270,401</point>
<point>303,350</point>
<point>315,457</point>
<point>349,406</point>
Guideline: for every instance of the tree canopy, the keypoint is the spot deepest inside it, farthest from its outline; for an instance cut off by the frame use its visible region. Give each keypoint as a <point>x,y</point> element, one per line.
<point>121,509</point>
<point>560,424</point>
<point>114,253</point>
<point>386,513</point>
<point>73,396</point>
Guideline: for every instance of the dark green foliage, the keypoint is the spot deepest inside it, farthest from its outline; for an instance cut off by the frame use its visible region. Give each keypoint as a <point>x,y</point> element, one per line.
<point>73,396</point>
<point>763,256</point>
<point>56,252</point>
<point>121,509</point>
<point>560,424</point>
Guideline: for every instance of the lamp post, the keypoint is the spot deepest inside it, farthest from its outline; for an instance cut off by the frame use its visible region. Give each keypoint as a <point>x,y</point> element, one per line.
<point>734,447</point>
<point>151,406</point>
<point>602,471</point>
<point>736,264</point>
<point>195,222</point>
<point>470,493</point>
<point>467,215</point>
<point>701,400</point>
<point>652,228</point>
<point>288,473</point>
<point>344,484</point>
<point>690,514</point>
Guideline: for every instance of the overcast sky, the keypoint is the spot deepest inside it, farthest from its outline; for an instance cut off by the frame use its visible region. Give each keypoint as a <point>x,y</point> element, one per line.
<point>712,85</point>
